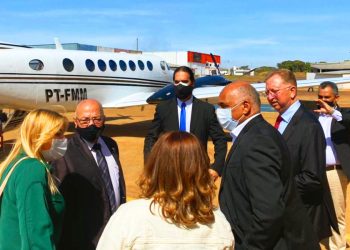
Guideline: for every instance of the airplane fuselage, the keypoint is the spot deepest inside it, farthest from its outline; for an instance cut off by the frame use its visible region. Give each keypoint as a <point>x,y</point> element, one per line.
<point>59,79</point>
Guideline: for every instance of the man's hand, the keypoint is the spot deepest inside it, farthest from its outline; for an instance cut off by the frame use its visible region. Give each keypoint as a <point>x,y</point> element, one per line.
<point>214,174</point>
<point>324,108</point>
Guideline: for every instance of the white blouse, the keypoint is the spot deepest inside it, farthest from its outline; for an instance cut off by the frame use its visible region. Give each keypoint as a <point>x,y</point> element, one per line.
<point>133,226</point>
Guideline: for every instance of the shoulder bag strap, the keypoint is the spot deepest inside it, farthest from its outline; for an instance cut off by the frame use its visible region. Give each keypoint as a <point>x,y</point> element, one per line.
<point>2,187</point>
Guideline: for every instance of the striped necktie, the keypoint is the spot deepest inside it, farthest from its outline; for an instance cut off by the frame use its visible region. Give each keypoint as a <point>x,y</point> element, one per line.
<point>103,166</point>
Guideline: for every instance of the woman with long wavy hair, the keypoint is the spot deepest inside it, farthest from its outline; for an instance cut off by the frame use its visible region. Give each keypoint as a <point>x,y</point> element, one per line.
<point>176,206</point>
<point>30,204</point>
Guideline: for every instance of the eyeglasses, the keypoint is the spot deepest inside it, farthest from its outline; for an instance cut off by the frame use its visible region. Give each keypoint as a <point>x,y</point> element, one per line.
<point>95,120</point>
<point>182,82</point>
<point>275,93</point>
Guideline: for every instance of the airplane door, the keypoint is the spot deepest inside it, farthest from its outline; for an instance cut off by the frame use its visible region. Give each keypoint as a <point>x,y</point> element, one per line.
<point>166,71</point>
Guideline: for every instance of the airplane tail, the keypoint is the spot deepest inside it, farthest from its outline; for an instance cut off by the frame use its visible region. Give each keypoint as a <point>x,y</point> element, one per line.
<point>215,63</point>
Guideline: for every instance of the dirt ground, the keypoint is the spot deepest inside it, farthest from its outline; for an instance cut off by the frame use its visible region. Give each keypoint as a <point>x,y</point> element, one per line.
<point>128,126</point>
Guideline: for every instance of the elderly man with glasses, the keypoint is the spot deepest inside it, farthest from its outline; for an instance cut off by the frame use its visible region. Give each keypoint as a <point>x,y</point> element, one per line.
<point>305,140</point>
<point>90,178</point>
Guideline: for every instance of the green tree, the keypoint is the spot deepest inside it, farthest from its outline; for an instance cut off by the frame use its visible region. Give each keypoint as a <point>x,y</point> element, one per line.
<point>295,66</point>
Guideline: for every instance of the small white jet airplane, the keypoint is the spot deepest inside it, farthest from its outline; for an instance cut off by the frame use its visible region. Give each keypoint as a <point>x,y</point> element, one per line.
<point>58,79</point>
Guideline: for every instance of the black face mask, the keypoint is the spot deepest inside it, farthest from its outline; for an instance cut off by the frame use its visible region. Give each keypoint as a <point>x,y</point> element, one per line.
<point>90,133</point>
<point>183,92</point>
<point>331,104</point>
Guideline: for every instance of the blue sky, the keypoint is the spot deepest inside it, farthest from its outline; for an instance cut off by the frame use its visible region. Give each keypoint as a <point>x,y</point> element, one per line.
<point>250,32</point>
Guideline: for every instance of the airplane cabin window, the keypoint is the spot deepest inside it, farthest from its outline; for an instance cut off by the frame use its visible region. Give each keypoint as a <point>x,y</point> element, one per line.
<point>149,65</point>
<point>112,65</point>
<point>162,65</point>
<point>141,64</point>
<point>90,65</point>
<point>132,65</point>
<point>101,65</point>
<point>68,64</point>
<point>36,64</point>
<point>122,65</point>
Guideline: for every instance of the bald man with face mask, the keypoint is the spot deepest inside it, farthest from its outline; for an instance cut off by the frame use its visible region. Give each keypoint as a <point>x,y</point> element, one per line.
<point>91,179</point>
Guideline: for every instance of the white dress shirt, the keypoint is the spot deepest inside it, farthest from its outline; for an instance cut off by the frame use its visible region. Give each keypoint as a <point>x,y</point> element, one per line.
<point>112,166</point>
<point>326,123</point>
<point>237,130</point>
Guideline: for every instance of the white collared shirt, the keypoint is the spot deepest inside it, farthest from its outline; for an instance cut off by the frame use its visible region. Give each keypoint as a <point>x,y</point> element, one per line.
<point>112,165</point>
<point>188,112</point>
<point>326,123</point>
<point>237,130</point>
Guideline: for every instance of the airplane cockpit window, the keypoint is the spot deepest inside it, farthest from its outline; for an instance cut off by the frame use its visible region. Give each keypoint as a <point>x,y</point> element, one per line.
<point>68,64</point>
<point>90,65</point>
<point>167,66</point>
<point>101,65</point>
<point>112,65</point>
<point>132,65</point>
<point>149,65</point>
<point>36,64</point>
<point>162,65</point>
<point>141,64</point>
<point>122,65</point>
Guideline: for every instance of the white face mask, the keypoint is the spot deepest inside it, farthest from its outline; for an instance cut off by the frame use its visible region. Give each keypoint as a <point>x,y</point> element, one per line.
<point>225,118</point>
<point>57,150</point>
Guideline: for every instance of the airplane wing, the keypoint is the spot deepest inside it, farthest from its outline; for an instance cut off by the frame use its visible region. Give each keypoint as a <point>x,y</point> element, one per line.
<point>136,99</point>
<point>205,87</point>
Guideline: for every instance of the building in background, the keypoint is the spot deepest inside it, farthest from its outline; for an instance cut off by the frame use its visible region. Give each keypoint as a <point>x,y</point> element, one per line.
<point>201,63</point>
<point>240,71</point>
<point>325,70</point>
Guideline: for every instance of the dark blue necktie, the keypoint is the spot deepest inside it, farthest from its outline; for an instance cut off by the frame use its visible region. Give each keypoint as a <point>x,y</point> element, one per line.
<point>183,117</point>
<point>102,164</point>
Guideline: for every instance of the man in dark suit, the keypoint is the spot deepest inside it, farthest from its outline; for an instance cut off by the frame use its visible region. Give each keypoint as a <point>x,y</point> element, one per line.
<point>189,114</point>
<point>335,122</point>
<point>90,179</point>
<point>258,194</point>
<point>304,137</point>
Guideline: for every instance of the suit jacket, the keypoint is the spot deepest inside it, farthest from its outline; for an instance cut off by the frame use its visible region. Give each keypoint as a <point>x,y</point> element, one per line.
<point>258,194</point>
<point>87,203</point>
<point>306,142</point>
<point>204,123</point>
<point>340,135</point>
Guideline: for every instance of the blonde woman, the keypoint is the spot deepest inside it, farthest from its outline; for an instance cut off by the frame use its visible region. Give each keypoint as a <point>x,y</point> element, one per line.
<point>30,205</point>
<point>176,211</point>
